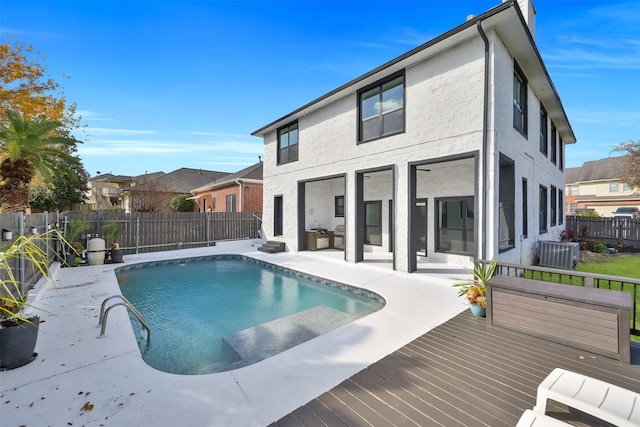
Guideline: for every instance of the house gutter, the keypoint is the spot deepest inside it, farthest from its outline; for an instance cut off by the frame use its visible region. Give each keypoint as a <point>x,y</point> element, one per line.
<point>239,182</point>
<point>485,139</point>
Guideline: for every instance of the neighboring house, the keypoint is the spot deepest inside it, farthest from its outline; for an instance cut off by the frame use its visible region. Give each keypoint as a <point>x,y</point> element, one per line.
<point>453,150</point>
<point>105,191</point>
<point>147,194</point>
<point>596,185</point>
<point>237,192</point>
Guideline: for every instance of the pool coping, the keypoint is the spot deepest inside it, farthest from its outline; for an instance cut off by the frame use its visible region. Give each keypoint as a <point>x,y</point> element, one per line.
<point>74,368</point>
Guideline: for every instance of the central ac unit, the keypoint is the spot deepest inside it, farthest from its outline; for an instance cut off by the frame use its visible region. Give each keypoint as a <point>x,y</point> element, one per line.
<point>559,254</point>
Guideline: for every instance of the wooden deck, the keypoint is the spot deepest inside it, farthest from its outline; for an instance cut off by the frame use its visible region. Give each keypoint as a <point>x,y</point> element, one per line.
<point>462,373</point>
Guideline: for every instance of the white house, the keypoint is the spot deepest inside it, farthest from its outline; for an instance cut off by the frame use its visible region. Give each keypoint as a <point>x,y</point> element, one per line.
<point>454,150</point>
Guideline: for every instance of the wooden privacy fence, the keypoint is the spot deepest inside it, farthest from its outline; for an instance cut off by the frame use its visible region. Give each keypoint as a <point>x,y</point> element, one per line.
<point>136,233</point>
<point>607,230</point>
<point>152,232</point>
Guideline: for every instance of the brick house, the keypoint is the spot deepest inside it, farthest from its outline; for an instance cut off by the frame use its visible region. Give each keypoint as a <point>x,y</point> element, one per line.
<point>236,192</point>
<point>452,151</point>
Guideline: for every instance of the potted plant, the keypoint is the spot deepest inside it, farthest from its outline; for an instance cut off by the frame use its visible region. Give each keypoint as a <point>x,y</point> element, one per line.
<point>474,289</point>
<point>72,247</point>
<point>112,232</point>
<point>18,329</point>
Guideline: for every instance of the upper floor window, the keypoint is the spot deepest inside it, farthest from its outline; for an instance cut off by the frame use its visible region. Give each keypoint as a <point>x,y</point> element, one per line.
<point>554,144</point>
<point>519,100</point>
<point>381,109</point>
<point>288,143</point>
<point>560,153</point>
<point>544,140</point>
<point>614,187</point>
<point>573,190</point>
<point>626,187</point>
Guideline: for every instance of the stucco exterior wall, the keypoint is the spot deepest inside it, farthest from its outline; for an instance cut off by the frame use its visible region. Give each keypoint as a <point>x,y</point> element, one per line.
<point>443,101</point>
<point>530,163</point>
<point>444,97</point>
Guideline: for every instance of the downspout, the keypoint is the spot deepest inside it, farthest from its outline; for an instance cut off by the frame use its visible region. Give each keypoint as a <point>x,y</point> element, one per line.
<point>239,182</point>
<point>485,140</point>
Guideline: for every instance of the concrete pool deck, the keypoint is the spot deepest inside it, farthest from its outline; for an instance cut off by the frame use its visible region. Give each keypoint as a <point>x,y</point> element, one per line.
<point>80,379</point>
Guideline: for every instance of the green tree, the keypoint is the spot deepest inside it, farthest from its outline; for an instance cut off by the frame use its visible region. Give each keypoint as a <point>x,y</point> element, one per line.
<point>63,193</point>
<point>630,171</point>
<point>32,147</point>
<point>180,203</point>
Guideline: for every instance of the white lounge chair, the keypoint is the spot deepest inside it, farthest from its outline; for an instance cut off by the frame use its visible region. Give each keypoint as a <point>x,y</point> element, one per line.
<point>602,400</point>
<point>534,419</point>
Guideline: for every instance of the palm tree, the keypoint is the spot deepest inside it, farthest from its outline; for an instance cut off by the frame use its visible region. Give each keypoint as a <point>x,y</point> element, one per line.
<point>32,147</point>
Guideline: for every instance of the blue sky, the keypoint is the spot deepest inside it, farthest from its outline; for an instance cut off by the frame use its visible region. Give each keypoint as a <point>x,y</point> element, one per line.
<point>169,84</point>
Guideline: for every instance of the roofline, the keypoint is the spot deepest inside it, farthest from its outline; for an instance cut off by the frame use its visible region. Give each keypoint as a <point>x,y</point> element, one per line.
<point>544,69</point>
<point>226,183</point>
<point>470,23</point>
<point>569,137</point>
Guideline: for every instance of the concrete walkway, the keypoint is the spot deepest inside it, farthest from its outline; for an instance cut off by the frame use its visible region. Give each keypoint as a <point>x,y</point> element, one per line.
<point>80,379</point>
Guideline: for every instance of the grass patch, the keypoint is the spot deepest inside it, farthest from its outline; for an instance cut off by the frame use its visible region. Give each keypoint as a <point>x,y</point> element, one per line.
<point>613,265</point>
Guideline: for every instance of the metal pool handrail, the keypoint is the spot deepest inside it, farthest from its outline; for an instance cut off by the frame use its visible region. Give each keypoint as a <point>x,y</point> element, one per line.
<point>116,301</point>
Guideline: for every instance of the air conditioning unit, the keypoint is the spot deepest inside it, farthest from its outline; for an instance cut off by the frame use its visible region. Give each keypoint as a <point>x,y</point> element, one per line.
<point>559,254</point>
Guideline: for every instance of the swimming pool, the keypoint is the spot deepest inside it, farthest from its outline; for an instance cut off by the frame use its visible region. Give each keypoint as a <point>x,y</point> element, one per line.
<point>222,312</point>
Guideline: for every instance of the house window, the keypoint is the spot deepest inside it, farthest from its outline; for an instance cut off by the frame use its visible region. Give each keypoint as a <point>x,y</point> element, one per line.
<point>278,213</point>
<point>560,207</point>
<point>554,204</point>
<point>574,190</point>
<point>626,187</point>
<point>455,229</point>
<point>519,100</point>
<point>542,209</point>
<point>373,223</point>
<point>231,203</point>
<point>288,143</point>
<point>525,208</point>
<point>506,198</point>
<point>614,187</point>
<point>381,109</point>
<point>554,145</point>
<point>339,206</point>
<point>544,140</point>
<point>560,154</point>
<point>213,204</point>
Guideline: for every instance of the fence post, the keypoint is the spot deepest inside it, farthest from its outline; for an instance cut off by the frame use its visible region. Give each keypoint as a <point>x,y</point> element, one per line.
<point>137,233</point>
<point>207,227</point>
<point>21,259</point>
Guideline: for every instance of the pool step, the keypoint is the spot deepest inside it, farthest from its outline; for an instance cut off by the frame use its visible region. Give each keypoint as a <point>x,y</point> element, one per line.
<point>272,247</point>
<point>268,339</point>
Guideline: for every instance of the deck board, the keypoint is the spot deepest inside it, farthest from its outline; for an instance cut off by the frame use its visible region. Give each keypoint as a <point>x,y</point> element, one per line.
<point>461,373</point>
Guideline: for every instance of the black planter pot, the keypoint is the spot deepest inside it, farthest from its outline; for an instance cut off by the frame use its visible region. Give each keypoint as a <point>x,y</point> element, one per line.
<point>17,342</point>
<point>116,255</point>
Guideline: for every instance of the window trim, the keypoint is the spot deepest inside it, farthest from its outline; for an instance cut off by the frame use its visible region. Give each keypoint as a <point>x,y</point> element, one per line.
<point>379,84</point>
<point>297,144</point>
<point>517,73</point>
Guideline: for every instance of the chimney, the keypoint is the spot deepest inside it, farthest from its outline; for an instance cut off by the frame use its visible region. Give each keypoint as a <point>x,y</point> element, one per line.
<point>529,13</point>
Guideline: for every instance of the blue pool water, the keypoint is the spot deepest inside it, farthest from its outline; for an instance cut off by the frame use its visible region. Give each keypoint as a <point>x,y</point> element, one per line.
<point>223,312</point>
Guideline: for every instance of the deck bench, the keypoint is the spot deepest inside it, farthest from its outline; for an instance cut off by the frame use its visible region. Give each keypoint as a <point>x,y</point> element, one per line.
<point>534,419</point>
<point>600,399</point>
<point>591,319</point>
